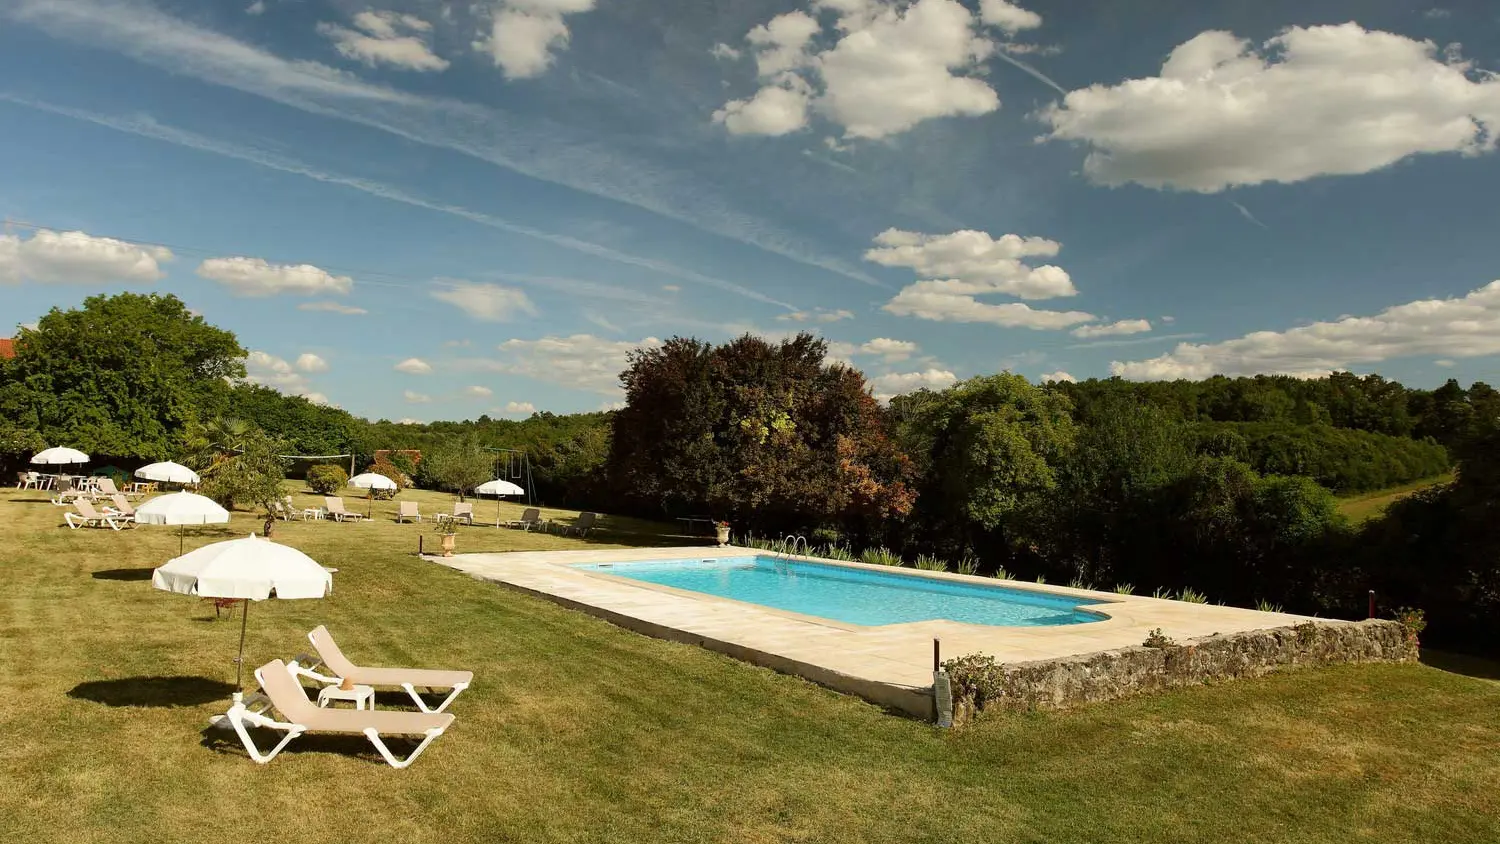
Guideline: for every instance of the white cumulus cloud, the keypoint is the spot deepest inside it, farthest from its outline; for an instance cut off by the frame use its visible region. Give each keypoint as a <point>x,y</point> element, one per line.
<point>520,407</point>
<point>390,38</point>
<point>1057,376</point>
<point>1124,326</point>
<point>276,372</point>
<point>889,350</point>
<point>969,264</point>
<point>484,301</point>
<point>413,397</point>
<point>257,277</point>
<point>1312,101</point>
<point>309,362</point>
<point>878,68</point>
<point>1460,327</point>
<point>478,392</point>
<point>1008,17</point>
<point>414,366</point>
<point>978,260</point>
<point>773,110</point>
<point>525,34</point>
<point>888,386</point>
<point>51,257</point>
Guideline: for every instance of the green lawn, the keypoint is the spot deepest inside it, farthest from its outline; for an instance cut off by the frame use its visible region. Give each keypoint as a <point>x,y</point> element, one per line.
<point>576,730</point>
<point>1368,505</point>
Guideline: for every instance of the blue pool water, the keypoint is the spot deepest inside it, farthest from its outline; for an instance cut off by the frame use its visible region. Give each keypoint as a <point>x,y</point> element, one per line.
<point>855,596</point>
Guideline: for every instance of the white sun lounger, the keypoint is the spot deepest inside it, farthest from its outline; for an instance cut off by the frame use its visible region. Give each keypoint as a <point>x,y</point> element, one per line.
<point>410,679</point>
<point>335,507</point>
<point>87,516</point>
<point>281,692</point>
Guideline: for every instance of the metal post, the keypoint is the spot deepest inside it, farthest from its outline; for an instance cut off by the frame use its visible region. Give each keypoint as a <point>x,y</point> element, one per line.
<point>239,661</point>
<point>937,654</point>
<point>419,545</point>
<point>1372,604</point>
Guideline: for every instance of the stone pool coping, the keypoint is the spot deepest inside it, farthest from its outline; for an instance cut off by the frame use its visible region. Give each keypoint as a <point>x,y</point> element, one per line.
<point>889,665</point>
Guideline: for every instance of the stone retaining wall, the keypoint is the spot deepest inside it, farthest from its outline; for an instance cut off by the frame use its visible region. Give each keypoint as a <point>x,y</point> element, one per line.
<point>1110,675</point>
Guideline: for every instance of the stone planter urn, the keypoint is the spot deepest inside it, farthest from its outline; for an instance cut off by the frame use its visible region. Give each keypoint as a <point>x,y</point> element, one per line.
<point>448,542</point>
<point>721,533</point>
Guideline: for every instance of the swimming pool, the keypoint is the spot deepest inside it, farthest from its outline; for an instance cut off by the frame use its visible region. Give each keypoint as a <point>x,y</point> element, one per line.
<point>855,595</point>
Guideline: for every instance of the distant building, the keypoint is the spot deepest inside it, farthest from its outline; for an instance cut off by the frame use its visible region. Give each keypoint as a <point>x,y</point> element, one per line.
<point>7,348</point>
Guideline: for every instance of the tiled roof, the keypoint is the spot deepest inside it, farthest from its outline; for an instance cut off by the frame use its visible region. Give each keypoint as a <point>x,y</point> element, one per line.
<point>7,347</point>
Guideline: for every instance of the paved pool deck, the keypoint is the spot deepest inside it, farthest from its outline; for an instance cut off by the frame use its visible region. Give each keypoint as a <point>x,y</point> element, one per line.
<point>890,665</point>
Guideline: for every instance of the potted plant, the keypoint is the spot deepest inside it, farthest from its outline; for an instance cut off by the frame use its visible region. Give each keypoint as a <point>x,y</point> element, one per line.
<point>448,529</point>
<point>721,530</point>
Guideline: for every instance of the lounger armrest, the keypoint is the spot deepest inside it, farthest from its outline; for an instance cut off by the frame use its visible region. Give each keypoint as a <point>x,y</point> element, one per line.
<point>305,665</point>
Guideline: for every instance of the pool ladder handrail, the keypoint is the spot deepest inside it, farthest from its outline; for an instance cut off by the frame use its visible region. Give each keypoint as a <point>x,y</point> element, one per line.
<point>791,542</point>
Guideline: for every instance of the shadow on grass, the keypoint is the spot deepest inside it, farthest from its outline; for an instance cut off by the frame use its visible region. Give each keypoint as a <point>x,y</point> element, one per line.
<point>1469,666</point>
<point>165,692</point>
<point>123,574</point>
<point>224,740</point>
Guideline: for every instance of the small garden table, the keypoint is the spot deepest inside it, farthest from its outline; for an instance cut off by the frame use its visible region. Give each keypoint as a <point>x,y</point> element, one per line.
<point>363,696</point>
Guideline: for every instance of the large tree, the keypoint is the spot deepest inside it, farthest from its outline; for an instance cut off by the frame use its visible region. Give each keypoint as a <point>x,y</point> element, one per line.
<point>122,375</point>
<point>459,464</point>
<point>989,450</point>
<point>766,434</point>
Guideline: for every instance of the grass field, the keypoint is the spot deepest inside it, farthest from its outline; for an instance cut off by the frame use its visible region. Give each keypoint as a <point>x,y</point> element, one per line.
<point>578,731</point>
<point>1369,505</point>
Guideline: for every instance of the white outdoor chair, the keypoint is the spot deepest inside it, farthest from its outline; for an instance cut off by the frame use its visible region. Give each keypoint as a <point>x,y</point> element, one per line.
<point>280,692</point>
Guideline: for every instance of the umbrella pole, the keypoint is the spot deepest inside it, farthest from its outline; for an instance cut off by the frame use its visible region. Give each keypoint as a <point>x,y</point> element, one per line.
<point>239,662</point>
<point>370,507</point>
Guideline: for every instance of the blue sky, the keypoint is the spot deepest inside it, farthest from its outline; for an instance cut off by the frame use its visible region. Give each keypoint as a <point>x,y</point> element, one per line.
<point>434,210</point>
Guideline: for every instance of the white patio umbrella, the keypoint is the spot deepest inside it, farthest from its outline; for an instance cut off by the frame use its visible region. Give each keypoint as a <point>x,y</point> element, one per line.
<point>169,472</point>
<point>59,456</point>
<point>181,508</point>
<point>248,569</point>
<point>498,488</point>
<point>371,481</point>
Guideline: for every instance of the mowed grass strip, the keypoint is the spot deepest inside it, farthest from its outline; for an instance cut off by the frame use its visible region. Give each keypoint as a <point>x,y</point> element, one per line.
<point>576,730</point>
<point>1365,506</point>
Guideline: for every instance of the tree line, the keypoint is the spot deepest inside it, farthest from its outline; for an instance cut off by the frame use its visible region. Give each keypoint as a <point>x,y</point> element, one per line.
<point>1222,487</point>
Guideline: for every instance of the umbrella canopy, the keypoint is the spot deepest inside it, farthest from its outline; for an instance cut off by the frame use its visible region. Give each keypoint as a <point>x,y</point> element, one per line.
<point>498,487</point>
<point>59,456</point>
<point>372,480</point>
<point>181,508</point>
<point>245,569</point>
<point>252,569</point>
<point>169,472</point>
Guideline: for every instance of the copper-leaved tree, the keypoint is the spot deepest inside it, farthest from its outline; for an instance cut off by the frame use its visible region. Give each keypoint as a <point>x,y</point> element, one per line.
<point>767,435</point>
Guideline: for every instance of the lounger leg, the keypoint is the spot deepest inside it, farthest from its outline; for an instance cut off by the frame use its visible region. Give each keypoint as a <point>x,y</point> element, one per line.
<point>238,716</point>
<point>422,704</point>
<point>68,517</point>
<point>374,736</point>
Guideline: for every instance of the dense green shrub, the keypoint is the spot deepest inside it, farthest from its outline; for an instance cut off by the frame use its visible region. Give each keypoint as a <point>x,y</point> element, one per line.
<point>327,479</point>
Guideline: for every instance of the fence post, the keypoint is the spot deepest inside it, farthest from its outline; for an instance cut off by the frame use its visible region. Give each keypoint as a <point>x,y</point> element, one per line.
<point>1372,604</point>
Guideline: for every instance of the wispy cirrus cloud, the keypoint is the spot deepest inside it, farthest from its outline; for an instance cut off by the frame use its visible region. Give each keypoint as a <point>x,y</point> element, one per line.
<point>147,127</point>
<point>534,148</point>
